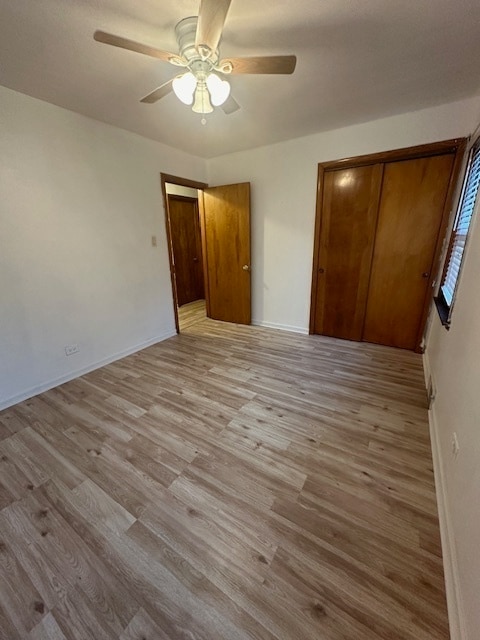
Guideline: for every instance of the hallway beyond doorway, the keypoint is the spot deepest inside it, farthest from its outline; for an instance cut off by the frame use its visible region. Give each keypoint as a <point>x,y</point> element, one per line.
<point>191,313</point>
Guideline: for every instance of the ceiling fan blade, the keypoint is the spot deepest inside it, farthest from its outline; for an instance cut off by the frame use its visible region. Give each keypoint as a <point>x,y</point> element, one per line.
<point>159,93</point>
<point>260,64</point>
<point>230,105</point>
<point>124,43</point>
<point>211,18</point>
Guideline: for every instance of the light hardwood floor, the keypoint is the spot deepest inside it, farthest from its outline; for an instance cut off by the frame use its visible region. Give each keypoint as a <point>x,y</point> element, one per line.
<point>228,483</point>
<point>191,313</point>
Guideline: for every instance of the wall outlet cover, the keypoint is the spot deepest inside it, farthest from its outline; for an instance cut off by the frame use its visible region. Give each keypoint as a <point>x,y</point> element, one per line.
<point>70,349</point>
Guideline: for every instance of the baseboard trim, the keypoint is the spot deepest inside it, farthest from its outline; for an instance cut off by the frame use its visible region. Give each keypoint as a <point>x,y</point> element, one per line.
<point>50,384</point>
<point>450,565</point>
<point>281,327</point>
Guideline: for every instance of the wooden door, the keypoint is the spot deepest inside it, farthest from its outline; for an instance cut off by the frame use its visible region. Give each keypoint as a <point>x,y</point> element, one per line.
<point>409,220</point>
<point>187,248</point>
<point>348,219</point>
<point>226,244</point>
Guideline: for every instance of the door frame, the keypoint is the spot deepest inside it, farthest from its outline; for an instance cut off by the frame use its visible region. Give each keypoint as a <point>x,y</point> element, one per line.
<point>182,182</point>
<point>456,146</point>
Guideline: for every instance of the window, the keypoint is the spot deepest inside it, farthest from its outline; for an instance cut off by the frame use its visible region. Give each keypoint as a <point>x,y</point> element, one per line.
<point>454,259</point>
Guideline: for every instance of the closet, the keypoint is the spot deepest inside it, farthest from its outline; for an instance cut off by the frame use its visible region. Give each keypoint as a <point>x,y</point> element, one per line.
<point>379,228</point>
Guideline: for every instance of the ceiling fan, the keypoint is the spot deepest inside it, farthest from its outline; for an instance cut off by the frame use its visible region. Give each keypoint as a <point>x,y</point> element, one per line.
<point>202,85</point>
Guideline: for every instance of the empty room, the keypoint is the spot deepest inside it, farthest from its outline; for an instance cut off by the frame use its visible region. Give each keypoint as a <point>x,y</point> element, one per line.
<point>239,320</point>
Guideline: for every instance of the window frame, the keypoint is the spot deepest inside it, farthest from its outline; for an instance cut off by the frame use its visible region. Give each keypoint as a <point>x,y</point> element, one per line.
<point>444,308</point>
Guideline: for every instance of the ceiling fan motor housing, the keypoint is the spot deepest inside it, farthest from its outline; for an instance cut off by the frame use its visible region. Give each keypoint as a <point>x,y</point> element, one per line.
<point>185,33</point>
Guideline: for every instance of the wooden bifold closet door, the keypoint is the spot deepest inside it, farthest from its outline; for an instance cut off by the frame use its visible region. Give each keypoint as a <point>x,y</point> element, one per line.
<point>380,221</point>
<point>409,220</point>
<point>350,204</point>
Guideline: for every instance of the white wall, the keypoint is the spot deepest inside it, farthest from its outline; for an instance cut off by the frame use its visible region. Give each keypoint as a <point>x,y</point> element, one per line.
<point>79,202</point>
<point>453,359</point>
<point>283,178</point>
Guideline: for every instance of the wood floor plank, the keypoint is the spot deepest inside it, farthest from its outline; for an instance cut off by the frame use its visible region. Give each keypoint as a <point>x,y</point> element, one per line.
<point>75,564</point>
<point>409,565</point>
<point>42,571</point>
<point>166,598</point>
<point>191,314</point>
<point>49,459</point>
<point>205,535</point>
<point>47,629</point>
<point>231,482</point>
<point>19,599</point>
<point>4,431</point>
<point>102,506</point>
<point>141,627</point>
<point>77,619</point>
<point>8,630</point>
<point>15,450</point>
<point>199,583</point>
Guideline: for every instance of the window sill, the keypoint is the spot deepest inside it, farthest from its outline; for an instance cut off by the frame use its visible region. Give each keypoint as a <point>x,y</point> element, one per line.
<point>443,311</point>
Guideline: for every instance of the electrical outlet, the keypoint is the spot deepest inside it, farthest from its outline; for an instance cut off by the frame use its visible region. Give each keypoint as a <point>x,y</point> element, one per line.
<point>455,445</point>
<point>70,349</point>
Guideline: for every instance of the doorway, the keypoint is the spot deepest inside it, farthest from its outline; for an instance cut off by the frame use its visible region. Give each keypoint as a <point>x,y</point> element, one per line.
<point>208,238</point>
<point>187,247</point>
<point>182,220</point>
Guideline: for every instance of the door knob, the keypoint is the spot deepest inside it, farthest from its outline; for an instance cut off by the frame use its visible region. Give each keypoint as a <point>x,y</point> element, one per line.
<point>425,274</point>
<point>195,259</point>
<point>246,267</point>
<point>321,270</point>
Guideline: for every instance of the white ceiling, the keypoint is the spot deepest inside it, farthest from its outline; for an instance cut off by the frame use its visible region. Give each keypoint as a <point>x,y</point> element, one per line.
<point>358,60</point>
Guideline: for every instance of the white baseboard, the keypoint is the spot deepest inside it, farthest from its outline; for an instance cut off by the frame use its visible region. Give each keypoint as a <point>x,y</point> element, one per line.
<point>450,565</point>
<point>71,375</point>
<point>281,327</point>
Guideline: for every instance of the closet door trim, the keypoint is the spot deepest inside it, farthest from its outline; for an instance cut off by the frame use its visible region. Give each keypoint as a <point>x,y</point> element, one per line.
<point>407,153</point>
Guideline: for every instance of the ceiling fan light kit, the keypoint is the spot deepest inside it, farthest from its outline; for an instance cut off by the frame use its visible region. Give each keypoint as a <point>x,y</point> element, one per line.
<point>201,86</point>
<point>202,102</point>
<point>184,87</point>
<point>219,89</point>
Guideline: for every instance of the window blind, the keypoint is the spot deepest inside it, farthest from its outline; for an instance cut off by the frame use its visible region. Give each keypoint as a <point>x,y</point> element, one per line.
<point>461,226</point>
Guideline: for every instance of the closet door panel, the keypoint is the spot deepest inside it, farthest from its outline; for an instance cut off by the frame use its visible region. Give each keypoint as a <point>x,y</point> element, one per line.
<point>348,220</point>
<point>409,218</point>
